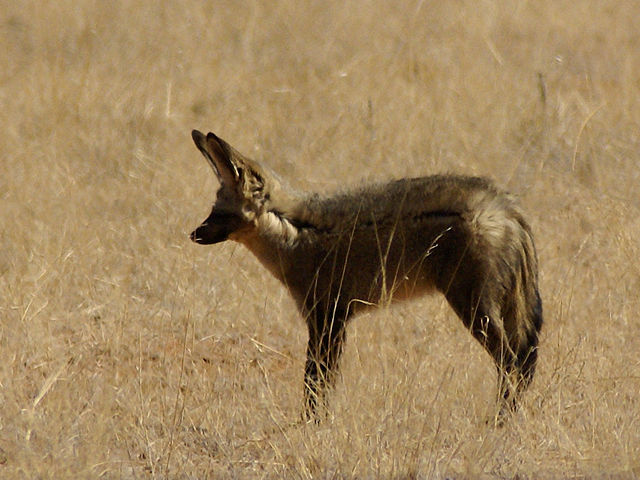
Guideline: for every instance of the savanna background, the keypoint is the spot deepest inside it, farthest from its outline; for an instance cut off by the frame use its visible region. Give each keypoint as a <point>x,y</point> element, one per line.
<point>126,351</point>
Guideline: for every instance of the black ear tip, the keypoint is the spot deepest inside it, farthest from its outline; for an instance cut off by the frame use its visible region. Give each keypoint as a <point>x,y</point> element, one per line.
<point>212,136</point>
<point>197,135</point>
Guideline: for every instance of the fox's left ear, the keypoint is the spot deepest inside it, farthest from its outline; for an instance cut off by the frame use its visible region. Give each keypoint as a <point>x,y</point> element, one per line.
<point>219,154</point>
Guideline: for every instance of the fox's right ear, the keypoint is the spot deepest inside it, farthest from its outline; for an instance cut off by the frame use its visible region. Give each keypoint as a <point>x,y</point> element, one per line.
<point>218,153</point>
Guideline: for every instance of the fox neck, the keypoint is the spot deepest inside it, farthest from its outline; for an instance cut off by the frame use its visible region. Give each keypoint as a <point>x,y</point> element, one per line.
<point>273,240</point>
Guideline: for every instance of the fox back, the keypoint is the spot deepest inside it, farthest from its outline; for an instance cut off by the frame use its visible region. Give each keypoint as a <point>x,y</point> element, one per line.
<point>338,254</point>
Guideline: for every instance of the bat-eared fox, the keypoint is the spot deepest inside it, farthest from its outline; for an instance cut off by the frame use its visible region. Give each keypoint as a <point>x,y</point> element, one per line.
<point>342,253</point>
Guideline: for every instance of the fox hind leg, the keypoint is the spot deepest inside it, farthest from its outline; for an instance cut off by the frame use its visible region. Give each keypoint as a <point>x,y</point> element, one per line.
<point>482,316</point>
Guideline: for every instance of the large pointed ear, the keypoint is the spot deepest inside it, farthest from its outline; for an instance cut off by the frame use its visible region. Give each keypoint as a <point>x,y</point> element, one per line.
<point>219,154</point>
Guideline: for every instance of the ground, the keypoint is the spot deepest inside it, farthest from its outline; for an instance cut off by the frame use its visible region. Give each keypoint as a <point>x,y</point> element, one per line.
<point>127,351</point>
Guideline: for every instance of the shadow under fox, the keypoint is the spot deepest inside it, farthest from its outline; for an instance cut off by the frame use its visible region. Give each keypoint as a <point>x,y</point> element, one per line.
<point>345,252</point>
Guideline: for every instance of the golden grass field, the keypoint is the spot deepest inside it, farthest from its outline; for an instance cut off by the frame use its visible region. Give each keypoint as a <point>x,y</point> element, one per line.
<point>127,351</point>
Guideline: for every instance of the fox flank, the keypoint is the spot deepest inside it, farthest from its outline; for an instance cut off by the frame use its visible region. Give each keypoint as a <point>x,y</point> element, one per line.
<point>339,254</point>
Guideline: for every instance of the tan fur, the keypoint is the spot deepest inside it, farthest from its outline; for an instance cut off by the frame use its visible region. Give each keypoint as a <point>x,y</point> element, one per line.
<point>382,243</point>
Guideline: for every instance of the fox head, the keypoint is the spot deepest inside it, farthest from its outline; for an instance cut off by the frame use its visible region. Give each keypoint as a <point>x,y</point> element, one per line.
<point>241,197</point>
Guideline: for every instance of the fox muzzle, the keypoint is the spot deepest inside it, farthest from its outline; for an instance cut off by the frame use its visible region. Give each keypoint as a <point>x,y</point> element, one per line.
<point>216,228</point>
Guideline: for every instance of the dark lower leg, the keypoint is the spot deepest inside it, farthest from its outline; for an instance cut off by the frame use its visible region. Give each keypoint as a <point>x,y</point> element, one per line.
<point>323,353</point>
<point>495,341</point>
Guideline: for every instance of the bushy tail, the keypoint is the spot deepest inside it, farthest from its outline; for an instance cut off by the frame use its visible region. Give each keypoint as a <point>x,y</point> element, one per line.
<point>527,357</point>
<point>528,309</point>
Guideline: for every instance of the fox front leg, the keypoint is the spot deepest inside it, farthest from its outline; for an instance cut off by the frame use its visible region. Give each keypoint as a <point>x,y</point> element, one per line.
<point>326,339</point>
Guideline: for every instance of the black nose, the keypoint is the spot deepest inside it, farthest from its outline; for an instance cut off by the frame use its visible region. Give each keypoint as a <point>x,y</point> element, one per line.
<point>207,234</point>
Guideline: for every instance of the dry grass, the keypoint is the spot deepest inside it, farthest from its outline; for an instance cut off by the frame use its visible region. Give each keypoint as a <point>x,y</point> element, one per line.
<point>126,351</point>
